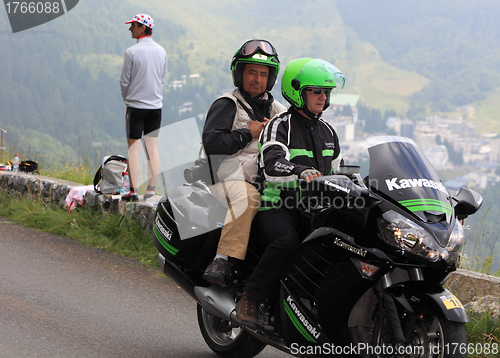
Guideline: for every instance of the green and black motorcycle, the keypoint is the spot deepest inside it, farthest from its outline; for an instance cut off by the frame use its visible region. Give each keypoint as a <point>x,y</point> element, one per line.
<point>367,279</point>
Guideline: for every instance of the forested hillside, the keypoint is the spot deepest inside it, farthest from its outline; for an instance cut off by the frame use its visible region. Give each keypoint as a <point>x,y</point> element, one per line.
<point>60,80</point>
<point>456,43</point>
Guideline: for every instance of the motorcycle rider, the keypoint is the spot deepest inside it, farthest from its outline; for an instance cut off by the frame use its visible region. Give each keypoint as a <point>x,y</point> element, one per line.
<point>232,128</point>
<point>295,144</point>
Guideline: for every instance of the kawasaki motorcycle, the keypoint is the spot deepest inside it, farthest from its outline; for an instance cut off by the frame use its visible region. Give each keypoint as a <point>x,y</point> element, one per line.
<point>367,279</point>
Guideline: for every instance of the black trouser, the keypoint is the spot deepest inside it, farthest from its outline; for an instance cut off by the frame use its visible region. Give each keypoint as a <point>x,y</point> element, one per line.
<point>278,225</point>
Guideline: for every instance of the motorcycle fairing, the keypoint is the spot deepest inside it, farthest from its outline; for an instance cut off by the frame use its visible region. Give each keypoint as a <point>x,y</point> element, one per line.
<point>187,226</point>
<point>298,325</point>
<point>324,278</point>
<point>400,170</point>
<point>163,234</point>
<point>344,203</point>
<point>178,276</point>
<point>426,298</point>
<point>195,211</point>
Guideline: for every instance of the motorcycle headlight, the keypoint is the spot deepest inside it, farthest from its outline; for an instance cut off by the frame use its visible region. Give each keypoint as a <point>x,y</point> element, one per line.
<point>397,230</point>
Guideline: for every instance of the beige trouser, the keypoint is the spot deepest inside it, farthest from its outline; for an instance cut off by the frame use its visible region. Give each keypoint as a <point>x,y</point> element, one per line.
<point>242,200</point>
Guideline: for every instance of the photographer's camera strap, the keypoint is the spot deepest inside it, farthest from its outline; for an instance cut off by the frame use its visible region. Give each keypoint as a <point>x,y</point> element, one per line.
<point>249,112</point>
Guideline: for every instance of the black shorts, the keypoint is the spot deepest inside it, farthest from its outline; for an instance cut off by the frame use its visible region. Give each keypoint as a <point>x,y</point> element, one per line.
<point>140,121</point>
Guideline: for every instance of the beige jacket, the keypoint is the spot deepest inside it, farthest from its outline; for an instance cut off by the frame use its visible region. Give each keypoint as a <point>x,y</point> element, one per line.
<point>242,165</point>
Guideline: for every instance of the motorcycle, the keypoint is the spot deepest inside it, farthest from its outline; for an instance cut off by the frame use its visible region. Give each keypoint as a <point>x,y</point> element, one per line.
<point>367,279</point>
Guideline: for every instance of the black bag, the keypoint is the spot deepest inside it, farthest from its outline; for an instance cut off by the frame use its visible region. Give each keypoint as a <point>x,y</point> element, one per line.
<point>28,166</point>
<point>109,174</point>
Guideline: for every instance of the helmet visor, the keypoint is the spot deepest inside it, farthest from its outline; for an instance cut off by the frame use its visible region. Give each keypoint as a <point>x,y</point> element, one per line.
<point>339,77</point>
<point>251,47</point>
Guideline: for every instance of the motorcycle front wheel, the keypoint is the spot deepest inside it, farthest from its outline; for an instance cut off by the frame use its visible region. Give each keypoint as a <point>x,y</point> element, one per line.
<point>433,337</point>
<point>225,338</point>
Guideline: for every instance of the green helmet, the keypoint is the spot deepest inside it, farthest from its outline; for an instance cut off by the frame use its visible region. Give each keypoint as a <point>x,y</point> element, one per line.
<point>308,72</point>
<point>258,52</point>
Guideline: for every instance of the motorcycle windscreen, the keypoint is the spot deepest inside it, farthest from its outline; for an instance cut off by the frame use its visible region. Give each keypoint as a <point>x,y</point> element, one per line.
<point>400,170</point>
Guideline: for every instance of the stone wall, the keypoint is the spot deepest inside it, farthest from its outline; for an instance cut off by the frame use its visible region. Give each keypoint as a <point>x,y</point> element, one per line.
<point>468,286</point>
<point>50,190</point>
<point>478,292</point>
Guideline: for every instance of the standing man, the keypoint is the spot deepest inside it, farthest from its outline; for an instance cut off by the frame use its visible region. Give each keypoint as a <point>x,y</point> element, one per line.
<point>295,144</point>
<point>143,76</point>
<point>230,137</point>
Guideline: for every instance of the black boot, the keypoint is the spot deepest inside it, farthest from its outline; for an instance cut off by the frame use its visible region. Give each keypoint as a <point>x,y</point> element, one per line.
<point>217,272</point>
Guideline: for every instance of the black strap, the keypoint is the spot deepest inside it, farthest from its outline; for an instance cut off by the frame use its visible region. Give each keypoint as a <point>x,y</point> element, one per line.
<point>97,179</point>
<point>117,158</point>
<point>249,112</point>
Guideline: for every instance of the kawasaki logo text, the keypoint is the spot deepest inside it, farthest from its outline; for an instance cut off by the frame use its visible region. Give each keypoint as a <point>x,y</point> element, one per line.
<point>165,232</point>
<point>346,246</point>
<point>302,319</point>
<point>414,183</point>
<point>338,187</point>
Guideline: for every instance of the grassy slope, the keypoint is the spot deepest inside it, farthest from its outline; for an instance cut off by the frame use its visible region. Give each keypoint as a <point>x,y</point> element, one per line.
<point>387,87</point>
<point>487,114</point>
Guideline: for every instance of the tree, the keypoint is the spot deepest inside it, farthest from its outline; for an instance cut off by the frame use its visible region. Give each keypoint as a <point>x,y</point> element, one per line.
<point>346,111</point>
<point>374,122</point>
<point>390,113</point>
<point>416,112</point>
<point>455,156</point>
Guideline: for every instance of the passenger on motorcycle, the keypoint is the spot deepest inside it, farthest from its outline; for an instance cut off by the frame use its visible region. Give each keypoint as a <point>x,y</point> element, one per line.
<point>230,136</point>
<point>294,144</point>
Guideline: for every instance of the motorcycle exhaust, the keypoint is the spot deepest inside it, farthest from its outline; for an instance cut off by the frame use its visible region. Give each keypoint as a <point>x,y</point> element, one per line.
<point>216,301</point>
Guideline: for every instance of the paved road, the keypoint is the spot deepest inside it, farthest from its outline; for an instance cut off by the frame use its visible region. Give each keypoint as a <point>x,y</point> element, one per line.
<point>61,299</point>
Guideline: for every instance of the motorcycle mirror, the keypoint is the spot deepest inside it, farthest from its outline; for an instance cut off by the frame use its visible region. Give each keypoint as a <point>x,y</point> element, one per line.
<point>468,202</point>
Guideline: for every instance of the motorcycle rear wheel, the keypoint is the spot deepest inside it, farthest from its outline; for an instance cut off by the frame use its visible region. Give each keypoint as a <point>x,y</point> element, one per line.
<point>438,337</point>
<point>225,339</point>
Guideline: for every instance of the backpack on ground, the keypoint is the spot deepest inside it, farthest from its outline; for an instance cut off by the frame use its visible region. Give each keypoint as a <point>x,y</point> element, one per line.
<point>110,174</point>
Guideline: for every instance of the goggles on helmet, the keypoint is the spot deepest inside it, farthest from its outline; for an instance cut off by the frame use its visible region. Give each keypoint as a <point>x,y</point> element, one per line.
<point>252,47</point>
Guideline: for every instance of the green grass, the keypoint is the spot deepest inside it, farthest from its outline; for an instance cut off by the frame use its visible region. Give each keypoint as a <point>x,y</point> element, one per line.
<point>481,250</point>
<point>76,173</point>
<point>119,235</point>
<point>483,332</point>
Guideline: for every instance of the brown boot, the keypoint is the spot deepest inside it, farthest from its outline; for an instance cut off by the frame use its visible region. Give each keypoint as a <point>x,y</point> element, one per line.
<point>247,311</point>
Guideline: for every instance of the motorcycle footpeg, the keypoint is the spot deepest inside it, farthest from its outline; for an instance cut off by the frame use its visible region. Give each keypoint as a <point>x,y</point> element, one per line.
<point>266,328</point>
<point>261,326</point>
<point>264,318</point>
